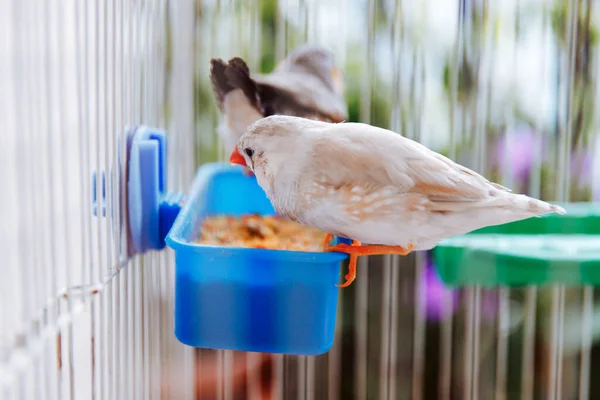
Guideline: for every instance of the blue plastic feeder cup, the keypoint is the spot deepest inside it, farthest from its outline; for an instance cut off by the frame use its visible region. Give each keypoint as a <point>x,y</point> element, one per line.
<point>230,298</point>
<point>246,299</point>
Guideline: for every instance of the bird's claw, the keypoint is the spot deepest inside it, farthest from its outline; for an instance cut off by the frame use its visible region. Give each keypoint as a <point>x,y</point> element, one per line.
<point>327,240</point>
<point>356,249</point>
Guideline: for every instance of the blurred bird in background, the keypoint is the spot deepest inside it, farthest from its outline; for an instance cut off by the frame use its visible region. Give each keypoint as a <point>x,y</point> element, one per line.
<point>372,185</point>
<point>305,84</point>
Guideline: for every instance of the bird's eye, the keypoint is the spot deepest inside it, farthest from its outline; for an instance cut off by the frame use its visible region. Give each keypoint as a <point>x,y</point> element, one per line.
<point>249,151</point>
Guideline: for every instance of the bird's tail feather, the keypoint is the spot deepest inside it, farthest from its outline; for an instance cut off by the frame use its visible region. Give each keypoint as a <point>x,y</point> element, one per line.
<point>528,205</point>
<point>219,81</point>
<point>516,203</point>
<point>539,207</point>
<point>232,75</point>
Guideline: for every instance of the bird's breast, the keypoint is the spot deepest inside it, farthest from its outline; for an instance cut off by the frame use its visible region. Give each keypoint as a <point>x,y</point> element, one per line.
<point>293,213</point>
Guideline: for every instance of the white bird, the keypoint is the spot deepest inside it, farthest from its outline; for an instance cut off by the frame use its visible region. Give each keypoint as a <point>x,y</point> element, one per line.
<point>305,84</point>
<point>373,186</point>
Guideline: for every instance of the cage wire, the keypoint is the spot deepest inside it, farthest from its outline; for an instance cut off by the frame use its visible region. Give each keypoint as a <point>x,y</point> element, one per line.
<point>507,88</point>
<point>80,319</point>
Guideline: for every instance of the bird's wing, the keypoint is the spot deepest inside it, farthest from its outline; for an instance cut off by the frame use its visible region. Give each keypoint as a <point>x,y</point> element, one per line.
<point>282,101</point>
<point>370,157</point>
<point>300,94</point>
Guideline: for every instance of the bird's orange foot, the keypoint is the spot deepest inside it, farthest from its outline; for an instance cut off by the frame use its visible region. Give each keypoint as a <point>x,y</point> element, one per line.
<point>327,240</point>
<point>248,172</point>
<point>356,249</point>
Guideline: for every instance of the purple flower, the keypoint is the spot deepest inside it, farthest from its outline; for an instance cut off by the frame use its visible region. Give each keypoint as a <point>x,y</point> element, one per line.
<point>517,147</point>
<point>434,294</point>
<point>581,166</point>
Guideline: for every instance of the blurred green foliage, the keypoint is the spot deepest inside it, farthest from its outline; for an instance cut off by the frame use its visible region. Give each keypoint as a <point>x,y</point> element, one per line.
<point>585,46</point>
<point>268,20</point>
<point>465,80</point>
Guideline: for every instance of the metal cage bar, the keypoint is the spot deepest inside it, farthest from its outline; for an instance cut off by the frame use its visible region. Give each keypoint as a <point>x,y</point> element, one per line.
<point>80,319</point>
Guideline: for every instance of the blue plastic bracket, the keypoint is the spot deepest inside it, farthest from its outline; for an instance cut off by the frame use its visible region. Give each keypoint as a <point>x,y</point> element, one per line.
<point>151,211</point>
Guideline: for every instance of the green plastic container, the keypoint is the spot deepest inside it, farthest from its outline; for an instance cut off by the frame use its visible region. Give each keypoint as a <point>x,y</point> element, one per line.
<point>553,249</point>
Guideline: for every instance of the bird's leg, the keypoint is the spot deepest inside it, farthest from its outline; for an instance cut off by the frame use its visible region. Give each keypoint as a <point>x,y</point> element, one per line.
<point>327,240</point>
<point>248,172</point>
<point>352,252</point>
<point>356,249</point>
<point>375,250</point>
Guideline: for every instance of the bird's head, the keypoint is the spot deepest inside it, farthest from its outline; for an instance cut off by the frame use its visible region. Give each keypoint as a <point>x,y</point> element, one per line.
<point>318,61</point>
<point>275,146</point>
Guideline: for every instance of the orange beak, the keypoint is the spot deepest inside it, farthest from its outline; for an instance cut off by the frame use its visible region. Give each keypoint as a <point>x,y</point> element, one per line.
<point>236,158</point>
